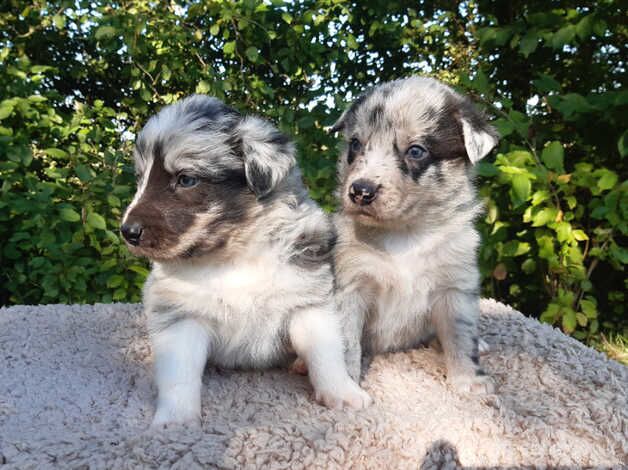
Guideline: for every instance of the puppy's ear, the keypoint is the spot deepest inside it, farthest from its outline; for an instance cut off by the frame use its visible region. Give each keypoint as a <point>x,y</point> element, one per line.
<point>341,123</point>
<point>479,136</point>
<point>268,154</point>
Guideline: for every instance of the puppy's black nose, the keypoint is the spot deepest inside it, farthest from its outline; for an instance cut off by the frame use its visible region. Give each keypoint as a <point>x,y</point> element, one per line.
<point>363,192</point>
<point>132,233</point>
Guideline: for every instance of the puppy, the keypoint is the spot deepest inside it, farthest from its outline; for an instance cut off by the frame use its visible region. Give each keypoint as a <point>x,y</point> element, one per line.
<point>406,253</point>
<point>241,257</point>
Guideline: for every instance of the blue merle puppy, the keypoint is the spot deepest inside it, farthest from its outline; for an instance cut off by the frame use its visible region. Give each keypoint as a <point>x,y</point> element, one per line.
<point>405,257</point>
<point>241,257</point>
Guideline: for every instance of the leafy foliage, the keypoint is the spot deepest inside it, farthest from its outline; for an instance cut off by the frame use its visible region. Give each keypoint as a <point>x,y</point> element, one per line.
<point>78,78</point>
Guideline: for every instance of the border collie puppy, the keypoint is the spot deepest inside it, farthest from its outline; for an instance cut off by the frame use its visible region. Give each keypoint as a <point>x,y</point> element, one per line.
<point>241,257</point>
<point>405,257</point>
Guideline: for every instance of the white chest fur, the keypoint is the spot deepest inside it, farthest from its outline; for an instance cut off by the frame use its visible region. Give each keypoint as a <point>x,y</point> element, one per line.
<point>245,304</point>
<point>414,270</point>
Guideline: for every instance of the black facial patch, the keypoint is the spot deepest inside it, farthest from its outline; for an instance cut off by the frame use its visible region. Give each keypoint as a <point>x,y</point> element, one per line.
<point>446,140</point>
<point>260,179</point>
<point>210,111</point>
<point>412,167</point>
<point>376,116</point>
<point>353,152</point>
<point>350,156</point>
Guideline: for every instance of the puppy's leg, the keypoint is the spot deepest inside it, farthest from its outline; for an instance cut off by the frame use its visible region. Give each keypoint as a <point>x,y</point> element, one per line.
<point>352,310</point>
<point>315,336</point>
<point>454,316</point>
<point>180,352</point>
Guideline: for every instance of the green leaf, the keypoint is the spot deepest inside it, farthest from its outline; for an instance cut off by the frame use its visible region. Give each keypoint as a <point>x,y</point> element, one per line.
<point>203,87</point>
<point>83,172</point>
<point>146,95</point>
<point>252,53</point>
<point>481,82</point>
<point>550,314</point>
<point>141,270</point>
<point>546,83</point>
<point>69,215</point>
<point>96,221</point>
<point>544,217</point>
<point>528,43</point>
<point>528,266</point>
<point>553,156</point>
<point>229,47</point>
<point>584,27</point>
<point>589,308</point>
<point>115,280</point>
<point>593,326</point>
<point>215,29</point>
<point>540,196</point>
<point>608,179</point>
<point>105,32</point>
<point>521,186</point>
<point>56,153</point>
<point>351,42</point>
<point>563,36</point>
<point>563,231</point>
<point>582,319</point>
<point>579,235</point>
<point>487,169</point>
<point>113,201</point>
<point>600,27</point>
<point>569,321</point>
<point>503,126</point>
<point>59,21</point>
<point>6,109</point>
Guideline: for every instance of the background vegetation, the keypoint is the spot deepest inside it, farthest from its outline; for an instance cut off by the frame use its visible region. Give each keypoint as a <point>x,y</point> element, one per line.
<point>78,78</point>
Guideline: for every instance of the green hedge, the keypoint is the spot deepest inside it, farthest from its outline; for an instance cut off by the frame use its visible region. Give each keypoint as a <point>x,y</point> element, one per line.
<point>78,79</point>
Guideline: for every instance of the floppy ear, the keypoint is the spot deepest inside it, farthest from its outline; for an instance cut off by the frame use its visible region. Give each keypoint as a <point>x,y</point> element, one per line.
<point>479,136</point>
<point>268,154</point>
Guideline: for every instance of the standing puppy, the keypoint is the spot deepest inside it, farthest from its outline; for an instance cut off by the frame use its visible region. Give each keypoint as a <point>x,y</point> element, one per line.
<point>406,252</point>
<point>241,256</point>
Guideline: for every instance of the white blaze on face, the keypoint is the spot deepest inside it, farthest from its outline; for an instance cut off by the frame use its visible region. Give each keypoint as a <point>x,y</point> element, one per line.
<point>141,188</point>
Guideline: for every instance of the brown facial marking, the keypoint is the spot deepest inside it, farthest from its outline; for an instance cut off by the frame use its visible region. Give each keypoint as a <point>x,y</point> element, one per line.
<point>168,213</point>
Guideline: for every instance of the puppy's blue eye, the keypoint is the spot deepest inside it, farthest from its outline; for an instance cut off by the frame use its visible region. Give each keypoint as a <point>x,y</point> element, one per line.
<point>416,152</point>
<point>355,145</point>
<point>187,181</point>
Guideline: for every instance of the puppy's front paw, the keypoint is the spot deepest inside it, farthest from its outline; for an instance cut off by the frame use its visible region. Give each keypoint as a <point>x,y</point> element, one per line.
<point>349,394</point>
<point>298,367</point>
<point>472,383</point>
<point>167,416</point>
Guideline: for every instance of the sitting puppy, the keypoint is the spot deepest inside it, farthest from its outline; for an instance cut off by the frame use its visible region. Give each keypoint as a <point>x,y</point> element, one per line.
<point>241,256</point>
<point>406,251</point>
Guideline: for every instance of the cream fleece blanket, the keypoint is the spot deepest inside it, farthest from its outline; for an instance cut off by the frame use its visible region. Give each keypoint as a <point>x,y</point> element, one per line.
<point>76,391</point>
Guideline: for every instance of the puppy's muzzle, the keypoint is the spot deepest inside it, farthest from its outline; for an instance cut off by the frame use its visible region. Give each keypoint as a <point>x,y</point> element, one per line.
<point>132,232</point>
<point>363,192</point>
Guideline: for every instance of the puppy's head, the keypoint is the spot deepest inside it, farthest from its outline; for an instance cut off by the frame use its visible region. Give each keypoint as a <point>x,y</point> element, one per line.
<point>410,144</point>
<point>202,171</point>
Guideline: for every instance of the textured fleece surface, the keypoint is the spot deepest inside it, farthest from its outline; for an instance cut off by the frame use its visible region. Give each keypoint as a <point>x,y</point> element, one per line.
<point>76,391</point>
